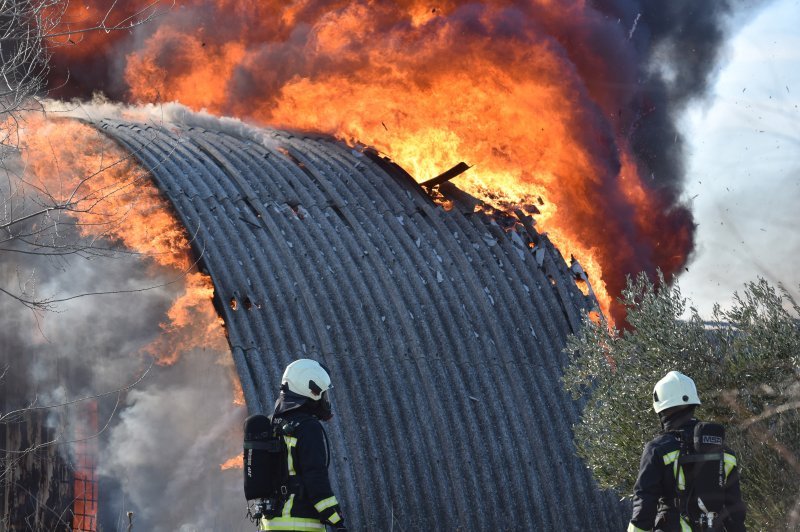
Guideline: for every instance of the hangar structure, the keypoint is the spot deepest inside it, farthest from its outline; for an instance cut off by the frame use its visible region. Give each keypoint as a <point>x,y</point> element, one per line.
<point>443,328</point>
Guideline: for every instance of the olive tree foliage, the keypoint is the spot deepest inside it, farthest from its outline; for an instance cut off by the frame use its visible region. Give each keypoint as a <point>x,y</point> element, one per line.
<point>745,362</point>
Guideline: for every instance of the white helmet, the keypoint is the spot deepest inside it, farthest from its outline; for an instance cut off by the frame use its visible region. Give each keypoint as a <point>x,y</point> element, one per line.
<point>675,389</point>
<point>307,377</point>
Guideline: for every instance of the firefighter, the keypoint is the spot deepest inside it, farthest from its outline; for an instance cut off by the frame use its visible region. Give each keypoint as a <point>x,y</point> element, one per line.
<point>657,500</point>
<point>304,401</point>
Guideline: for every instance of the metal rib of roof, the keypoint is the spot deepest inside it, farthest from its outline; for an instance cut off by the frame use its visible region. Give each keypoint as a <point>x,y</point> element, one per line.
<point>443,329</point>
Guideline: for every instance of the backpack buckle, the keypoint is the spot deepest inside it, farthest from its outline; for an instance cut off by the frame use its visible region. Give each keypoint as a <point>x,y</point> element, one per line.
<point>284,490</point>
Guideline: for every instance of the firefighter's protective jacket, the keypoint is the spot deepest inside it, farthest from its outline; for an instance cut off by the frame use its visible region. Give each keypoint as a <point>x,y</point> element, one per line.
<point>655,505</point>
<point>311,504</point>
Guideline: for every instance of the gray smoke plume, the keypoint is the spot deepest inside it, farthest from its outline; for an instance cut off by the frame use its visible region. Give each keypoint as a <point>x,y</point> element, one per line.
<point>167,447</point>
<point>156,114</point>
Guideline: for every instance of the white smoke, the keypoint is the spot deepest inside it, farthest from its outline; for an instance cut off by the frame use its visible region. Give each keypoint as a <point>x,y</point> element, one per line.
<point>163,114</point>
<point>167,448</point>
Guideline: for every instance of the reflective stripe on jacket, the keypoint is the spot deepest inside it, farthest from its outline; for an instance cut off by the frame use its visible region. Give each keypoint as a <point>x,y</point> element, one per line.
<point>312,503</point>
<point>660,479</point>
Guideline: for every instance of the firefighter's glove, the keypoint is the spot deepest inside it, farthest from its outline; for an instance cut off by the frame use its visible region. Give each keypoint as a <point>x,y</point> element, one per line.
<point>330,513</point>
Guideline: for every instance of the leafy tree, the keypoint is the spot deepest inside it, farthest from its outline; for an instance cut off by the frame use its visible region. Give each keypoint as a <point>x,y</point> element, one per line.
<point>745,362</point>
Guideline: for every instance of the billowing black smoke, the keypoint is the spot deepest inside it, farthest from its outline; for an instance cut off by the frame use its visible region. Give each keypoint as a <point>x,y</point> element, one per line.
<point>679,48</point>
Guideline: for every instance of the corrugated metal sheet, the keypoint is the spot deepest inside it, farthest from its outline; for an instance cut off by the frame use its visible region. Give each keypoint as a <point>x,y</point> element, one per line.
<point>443,329</point>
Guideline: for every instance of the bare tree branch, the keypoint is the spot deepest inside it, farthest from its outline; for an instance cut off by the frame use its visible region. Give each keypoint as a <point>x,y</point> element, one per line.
<point>142,16</point>
<point>770,412</point>
<point>729,397</point>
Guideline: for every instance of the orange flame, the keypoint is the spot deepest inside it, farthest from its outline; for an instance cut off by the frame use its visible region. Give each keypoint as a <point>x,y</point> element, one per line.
<point>89,177</point>
<point>515,89</point>
<point>238,393</point>
<point>193,323</point>
<point>234,462</point>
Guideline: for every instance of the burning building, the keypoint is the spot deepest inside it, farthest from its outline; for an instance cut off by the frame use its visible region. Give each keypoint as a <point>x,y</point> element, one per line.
<point>437,318</point>
<point>443,327</point>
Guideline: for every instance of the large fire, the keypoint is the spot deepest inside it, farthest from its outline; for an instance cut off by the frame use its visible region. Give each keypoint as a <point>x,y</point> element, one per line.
<point>536,96</point>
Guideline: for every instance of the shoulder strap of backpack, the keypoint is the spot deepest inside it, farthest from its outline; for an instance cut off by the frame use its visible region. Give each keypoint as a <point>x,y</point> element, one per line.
<point>289,427</point>
<point>685,449</point>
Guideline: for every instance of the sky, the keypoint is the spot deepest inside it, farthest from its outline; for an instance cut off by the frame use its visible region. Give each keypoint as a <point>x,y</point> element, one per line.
<point>744,169</point>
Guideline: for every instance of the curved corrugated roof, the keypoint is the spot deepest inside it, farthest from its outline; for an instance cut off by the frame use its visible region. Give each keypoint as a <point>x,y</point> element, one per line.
<point>443,329</point>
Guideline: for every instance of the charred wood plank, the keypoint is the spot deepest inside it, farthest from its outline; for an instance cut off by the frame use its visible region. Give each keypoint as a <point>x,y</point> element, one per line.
<point>455,171</point>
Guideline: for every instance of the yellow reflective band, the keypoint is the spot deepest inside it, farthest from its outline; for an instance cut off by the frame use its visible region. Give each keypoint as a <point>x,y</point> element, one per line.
<point>287,506</point>
<point>681,479</point>
<point>290,443</point>
<point>730,463</point>
<point>671,457</point>
<point>293,523</point>
<point>335,518</point>
<point>634,528</point>
<point>324,504</point>
<point>685,527</point>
